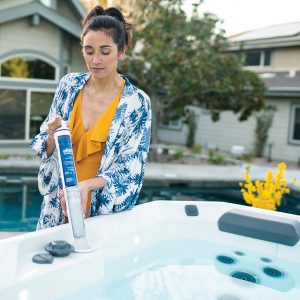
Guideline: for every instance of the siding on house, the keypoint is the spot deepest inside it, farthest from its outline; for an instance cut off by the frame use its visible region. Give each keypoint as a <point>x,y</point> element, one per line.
<point>72,53</point>
<point>45,38</point>
<point>78,64</point>
<point>286,58</point>
<point>64,9</point>
<point>54,39</point>
<point>173,136</point>
<point>19,35</point>
<point>279,132</point>
<point>226,132</point>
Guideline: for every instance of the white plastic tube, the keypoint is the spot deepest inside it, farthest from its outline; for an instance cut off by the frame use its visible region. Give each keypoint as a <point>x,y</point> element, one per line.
<point>70,186</point>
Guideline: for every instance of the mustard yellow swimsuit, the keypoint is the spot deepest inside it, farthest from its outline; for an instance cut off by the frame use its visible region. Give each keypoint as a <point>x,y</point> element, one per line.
<point>88,145</point>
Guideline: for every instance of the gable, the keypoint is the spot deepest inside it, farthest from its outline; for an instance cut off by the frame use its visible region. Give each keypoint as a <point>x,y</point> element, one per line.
<point>33,9</point>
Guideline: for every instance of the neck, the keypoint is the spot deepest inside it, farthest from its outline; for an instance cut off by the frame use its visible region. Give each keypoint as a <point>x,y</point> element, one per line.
<point>104,84</point>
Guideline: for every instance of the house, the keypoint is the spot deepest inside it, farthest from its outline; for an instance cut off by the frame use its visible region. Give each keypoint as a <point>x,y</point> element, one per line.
<point>274,53</point>
<point>39,43</point>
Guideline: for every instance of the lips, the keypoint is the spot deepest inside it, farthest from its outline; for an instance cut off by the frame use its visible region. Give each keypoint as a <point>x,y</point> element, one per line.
<point>98,69</point>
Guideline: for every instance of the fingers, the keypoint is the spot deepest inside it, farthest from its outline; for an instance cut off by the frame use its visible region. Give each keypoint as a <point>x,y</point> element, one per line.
<point>63,203</point>
<point>85,196</point>
<point>53,124</point>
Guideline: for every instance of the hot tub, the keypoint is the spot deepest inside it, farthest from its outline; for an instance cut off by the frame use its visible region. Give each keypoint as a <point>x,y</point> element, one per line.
<point>163,250</point>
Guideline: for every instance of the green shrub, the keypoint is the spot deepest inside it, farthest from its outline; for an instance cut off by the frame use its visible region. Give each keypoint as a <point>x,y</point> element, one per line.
<point>196,149</point>
<point>216,159</point>
<point>178,154</point>
<point>248,157</point>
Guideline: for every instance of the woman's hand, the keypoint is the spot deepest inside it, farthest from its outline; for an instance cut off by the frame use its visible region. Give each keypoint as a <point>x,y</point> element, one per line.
<point>63,205</point>
<point>84,196</point>
<point>52,125</point>
<point>85,188</point>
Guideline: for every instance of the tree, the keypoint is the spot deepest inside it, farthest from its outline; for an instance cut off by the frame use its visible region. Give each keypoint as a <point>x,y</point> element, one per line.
<point>264,121</point>
<point>15,67</point>
<point>184,60</point>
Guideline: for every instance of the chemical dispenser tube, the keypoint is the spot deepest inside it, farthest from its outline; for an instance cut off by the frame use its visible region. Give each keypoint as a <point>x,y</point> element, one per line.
<point>72,194</point>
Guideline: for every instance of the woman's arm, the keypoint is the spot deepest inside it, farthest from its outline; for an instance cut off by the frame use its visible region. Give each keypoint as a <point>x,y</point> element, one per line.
<point>85,187</point>
<point>125,176</point>
<point>40,142</point>
<point>44,146</point>
<point>51,126</point>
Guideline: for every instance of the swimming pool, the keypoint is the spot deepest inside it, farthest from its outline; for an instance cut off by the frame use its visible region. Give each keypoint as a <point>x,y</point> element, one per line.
<point>20,200</point>
<point>156,251</point>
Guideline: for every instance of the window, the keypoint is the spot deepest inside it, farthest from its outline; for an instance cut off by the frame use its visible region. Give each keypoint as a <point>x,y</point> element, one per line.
<point>252,58</point>
<point>172,124</point>
<point>17,122</point>
<point>22,110</point>
<point>39,109</point>
<point>295,125</point>
<point>168,122</point>
<point>257,58</point>
<point>27,67</point>
<point>12,114</point>
<point>267,57</point>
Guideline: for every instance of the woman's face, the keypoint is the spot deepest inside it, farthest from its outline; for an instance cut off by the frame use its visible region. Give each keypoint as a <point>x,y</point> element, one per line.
<point>100,53</point>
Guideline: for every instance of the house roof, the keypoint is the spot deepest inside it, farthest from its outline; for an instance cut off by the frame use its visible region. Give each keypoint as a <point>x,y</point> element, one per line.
<point>274,31</point>
<point>79,8</point>
<point>279,35</point>
<point>52,16</point>
<point>282,83</point>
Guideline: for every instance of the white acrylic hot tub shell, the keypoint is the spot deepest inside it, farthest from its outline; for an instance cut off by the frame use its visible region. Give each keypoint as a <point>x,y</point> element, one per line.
<point>118,235</point>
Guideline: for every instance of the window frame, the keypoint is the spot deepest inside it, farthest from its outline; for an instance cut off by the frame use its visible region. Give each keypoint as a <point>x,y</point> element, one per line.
<point>35,90</point>
<point>32,80</point>
<point>292,141</point>
<point>28,92</point>
<point>171,126</point>
<point>262,58</point>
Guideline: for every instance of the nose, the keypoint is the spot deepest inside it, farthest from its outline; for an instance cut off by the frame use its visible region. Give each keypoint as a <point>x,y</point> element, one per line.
<point>97,59</point>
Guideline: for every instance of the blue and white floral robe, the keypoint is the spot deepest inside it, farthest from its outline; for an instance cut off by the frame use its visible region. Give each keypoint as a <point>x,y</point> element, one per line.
<point>124,157</point>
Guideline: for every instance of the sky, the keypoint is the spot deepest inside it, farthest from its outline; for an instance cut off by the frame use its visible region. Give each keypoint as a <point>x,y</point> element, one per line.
<point>244,15</point>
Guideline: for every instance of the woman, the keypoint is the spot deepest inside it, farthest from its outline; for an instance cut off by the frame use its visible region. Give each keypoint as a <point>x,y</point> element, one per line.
<point>109,119</point>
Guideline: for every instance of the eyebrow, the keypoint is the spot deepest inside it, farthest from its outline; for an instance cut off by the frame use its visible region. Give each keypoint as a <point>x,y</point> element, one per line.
<point>104,46</point>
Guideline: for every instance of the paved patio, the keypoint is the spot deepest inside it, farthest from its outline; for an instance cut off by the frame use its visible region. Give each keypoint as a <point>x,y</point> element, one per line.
<point>175,172</point>
<point>209,173</point>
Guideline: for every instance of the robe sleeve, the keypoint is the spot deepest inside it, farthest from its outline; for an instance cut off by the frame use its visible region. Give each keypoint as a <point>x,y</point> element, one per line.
<point>48,178</point>
<point>124,177</point>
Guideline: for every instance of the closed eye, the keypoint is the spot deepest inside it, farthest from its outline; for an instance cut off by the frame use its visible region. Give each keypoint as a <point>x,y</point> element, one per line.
<point>105,52</point>
<point>88,50</point>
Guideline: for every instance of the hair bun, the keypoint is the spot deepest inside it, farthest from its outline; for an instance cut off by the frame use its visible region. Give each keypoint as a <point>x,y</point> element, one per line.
<point>99,11</point>
<point>114,12</point>
<point>111,18</point>
<point>94,12</point>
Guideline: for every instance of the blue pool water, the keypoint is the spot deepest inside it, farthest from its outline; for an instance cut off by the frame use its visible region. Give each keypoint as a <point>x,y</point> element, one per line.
<point>20,203</point>
<point>188,269</point>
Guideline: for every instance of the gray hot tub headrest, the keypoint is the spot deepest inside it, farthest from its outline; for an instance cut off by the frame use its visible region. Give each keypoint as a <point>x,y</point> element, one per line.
<point>261,226</point>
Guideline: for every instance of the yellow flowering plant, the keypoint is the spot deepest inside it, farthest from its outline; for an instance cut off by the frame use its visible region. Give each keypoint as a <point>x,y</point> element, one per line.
<point>265,194</point>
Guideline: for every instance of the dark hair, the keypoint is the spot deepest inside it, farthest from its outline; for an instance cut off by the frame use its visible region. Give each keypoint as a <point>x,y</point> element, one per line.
<point>111,21</point>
